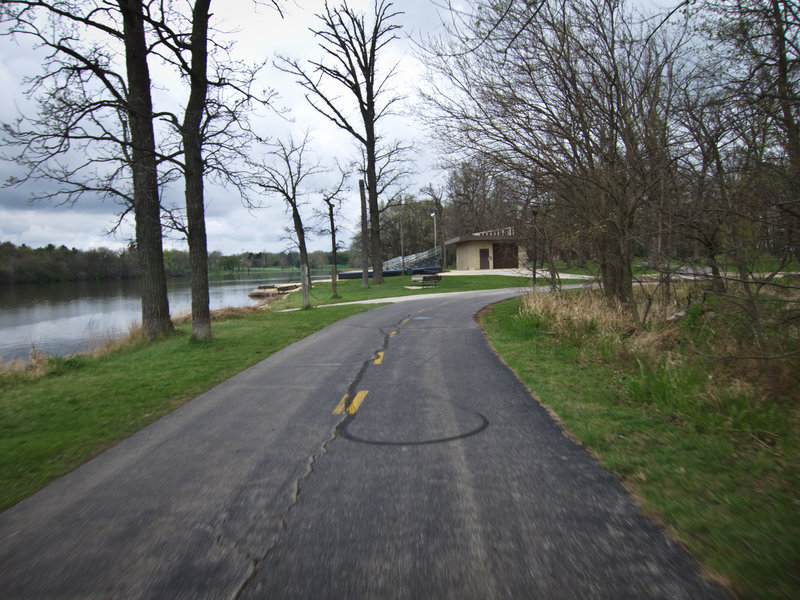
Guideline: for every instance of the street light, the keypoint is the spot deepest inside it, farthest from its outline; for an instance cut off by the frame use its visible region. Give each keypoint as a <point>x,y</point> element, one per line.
<point>433,214</point>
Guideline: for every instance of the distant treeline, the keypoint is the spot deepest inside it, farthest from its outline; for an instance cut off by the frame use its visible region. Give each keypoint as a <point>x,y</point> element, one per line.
<point>247,261</point>
<point>23,264</point>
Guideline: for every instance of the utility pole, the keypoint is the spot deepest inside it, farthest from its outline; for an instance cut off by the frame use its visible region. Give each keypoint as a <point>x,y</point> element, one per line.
<point>364,258</point>
<point>402,246</point>
<point>433,214</point>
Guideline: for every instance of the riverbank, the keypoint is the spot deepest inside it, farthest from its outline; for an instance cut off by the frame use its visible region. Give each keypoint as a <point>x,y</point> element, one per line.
<point>63,411</point>
<point>65,318</point>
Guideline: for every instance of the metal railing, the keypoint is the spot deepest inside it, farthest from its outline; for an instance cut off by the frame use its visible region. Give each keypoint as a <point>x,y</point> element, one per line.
<point>503,232</point>
<point>429,258</point>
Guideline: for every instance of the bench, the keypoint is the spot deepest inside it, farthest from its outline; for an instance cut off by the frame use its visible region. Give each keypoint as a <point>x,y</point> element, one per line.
<point>426,279</point>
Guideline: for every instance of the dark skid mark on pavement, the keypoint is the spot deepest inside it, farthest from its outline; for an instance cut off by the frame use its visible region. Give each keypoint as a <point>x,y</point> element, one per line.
<point>342,427</point>
<point>345,434</point>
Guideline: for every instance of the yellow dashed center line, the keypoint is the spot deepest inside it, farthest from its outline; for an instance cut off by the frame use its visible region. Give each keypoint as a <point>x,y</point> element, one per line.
<point>340,407</point>
<point>357,401</point>
<point>379,358</point>
<point>406,320</point>
<point>394,333</point>
<point>353,405</point>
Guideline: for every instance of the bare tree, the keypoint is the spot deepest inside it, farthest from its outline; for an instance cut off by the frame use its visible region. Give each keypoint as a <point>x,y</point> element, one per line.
<point>214,132</point>
<point>478,198</point>
<point>155,305</point>
<point>192,137</point>
<point>351,49</point>
<point>759,42</point>
<point>741,114</point>
<point>331,198</point>
<point>286,177</point>
<point>407,227</point>
<point>74,66</point>
<point>560,101</point>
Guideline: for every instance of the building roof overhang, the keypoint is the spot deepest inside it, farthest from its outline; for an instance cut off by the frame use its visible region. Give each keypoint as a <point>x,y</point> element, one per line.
<point>480,238</point>
<point>506,234</point>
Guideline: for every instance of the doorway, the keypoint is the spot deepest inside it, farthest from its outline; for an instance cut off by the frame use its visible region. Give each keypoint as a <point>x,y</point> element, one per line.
<point>484,258</point>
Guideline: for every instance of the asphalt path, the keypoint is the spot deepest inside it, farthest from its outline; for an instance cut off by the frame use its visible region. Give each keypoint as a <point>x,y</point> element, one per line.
<point>391,455</point>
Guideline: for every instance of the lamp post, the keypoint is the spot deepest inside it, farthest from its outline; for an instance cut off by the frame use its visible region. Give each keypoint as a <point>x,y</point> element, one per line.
<point>433,214</point>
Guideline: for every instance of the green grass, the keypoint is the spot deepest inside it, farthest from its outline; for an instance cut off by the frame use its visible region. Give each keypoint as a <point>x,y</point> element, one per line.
<point>767,263</point>
<point>350,290</point>
<point>716,465</point>
<point>592,268</point>
<point>760,264</point>
<point>83,405</point>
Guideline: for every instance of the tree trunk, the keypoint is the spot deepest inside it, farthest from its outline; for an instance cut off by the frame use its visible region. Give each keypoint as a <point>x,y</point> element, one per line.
<point>147,208</point>
<point>364,253</point>
<point>193,172</point>
<point>334,272</point>
<point>304,278</point>
<point>374,214</point>
<point>305,273</point>
<point>615,257</point>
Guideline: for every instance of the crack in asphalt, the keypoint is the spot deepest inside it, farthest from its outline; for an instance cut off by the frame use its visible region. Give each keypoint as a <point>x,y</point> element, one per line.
<point>223,542</point>
<point>255,562</point>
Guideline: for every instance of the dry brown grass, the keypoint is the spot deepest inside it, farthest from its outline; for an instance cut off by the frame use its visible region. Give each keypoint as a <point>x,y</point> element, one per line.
<point>651,342</point>
<point>719,340</point>
<point>236,312</point>
<point>223,314</point>
<point>35,366</point>
<point>589,307</point>
<point>135,337</point>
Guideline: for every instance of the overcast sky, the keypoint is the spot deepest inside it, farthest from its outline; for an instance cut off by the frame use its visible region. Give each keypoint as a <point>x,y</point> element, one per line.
<point>230,227</point>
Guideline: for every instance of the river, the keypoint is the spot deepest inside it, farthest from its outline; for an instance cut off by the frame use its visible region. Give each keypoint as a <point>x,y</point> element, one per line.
<point>69,317</point>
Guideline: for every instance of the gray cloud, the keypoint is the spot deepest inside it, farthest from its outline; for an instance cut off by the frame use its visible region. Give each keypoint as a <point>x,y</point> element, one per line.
<point>231,228</point>
<point>70,227</point>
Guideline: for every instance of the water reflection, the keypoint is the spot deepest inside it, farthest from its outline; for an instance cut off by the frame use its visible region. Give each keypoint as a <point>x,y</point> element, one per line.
<point>62,318</point>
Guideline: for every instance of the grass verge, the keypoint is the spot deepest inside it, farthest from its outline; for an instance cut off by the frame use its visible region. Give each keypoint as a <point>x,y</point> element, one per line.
<point>62,411</point>
<point>706,453</point>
